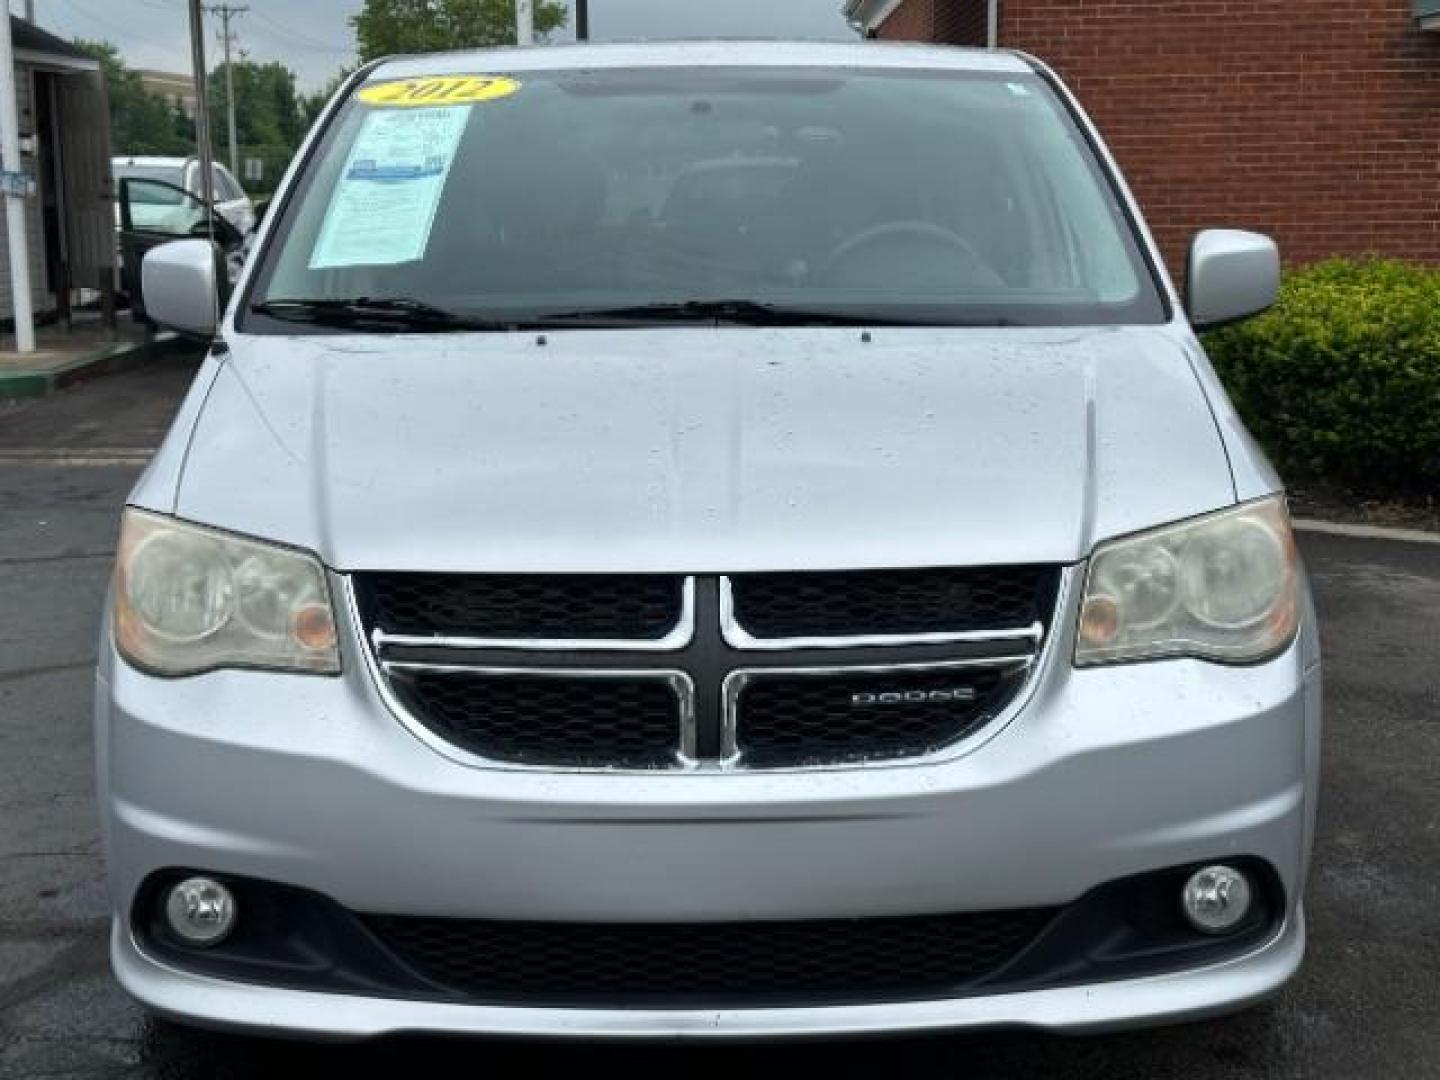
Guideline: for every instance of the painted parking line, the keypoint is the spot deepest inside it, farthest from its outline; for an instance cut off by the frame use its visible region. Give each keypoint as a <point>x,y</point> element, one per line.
<point>76,457</point>
<point>1367,532</point>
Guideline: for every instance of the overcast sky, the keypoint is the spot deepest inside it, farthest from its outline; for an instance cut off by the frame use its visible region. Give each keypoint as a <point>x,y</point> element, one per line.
<point>314,36</point>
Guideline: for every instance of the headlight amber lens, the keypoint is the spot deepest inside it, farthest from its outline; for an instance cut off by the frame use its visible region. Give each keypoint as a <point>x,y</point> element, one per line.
<point>1222,587</point>
<point>190,599</point>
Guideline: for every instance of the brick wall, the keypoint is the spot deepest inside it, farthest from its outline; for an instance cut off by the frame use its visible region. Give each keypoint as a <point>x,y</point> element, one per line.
<point>1315,120</point>
<point>914,20</point>
<point>952,22</point>
<point>961,22</point>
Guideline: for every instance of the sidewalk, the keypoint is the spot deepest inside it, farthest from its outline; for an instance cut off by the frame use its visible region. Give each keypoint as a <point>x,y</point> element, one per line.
<point>64,357</point>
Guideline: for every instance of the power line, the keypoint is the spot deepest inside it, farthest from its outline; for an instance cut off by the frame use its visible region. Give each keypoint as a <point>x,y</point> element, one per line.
<point>290,36</point>
<point>228,39</point>
<point>114,28</point>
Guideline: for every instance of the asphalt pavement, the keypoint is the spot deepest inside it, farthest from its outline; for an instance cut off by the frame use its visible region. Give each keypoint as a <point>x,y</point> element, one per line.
<point>1365,1005</point>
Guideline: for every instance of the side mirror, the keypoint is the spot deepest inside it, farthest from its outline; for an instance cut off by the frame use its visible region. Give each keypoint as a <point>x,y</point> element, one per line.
<point>1232,276</point>
<point>181,287</point>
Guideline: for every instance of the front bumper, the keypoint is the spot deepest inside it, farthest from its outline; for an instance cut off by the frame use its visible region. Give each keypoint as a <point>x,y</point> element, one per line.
<point>1101,774</point>
<point>1192,995</point>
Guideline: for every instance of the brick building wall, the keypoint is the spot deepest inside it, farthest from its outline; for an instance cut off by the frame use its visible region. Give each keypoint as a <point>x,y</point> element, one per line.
<point>961,22</point>
<point>914,20</point>
<point>953,22</point>
<point>1315,120</point>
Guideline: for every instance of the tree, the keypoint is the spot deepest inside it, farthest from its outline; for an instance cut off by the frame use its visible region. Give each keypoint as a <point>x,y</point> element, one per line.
<point>383,27</point>
<point>140,122</point>
<point>267,106</point>
<point>312,105</point>
<point>269,121</point>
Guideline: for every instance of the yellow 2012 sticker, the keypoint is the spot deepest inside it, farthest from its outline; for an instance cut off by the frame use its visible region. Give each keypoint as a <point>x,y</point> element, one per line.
<point>440,90</point>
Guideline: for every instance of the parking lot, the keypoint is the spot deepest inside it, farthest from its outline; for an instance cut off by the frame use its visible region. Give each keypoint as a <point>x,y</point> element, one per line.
<point>1364,1006</point>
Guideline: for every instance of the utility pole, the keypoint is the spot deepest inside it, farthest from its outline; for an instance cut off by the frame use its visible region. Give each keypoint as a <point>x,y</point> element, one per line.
<point>226,12</point>
<point>30,12</point>
<point>19,240</point>
<point>525,23</point>
<point>202,102</point>
<point>582,20</point>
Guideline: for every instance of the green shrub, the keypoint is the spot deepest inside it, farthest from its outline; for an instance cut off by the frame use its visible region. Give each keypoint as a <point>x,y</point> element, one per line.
<point>1341,380</point>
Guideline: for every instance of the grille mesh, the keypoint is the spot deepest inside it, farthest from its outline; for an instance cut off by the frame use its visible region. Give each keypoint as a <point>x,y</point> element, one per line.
<point>795,720</point>
<point>524,606</point>
<point>542,714</point>
<point>711,965</point>
<point>569,722</point>
<point>850,603</point>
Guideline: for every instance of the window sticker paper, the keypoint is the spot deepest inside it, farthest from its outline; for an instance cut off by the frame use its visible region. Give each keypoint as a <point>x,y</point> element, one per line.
<point>384,205</point>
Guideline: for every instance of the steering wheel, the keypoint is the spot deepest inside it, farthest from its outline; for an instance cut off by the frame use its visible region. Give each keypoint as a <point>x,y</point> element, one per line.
<point>866,244</point>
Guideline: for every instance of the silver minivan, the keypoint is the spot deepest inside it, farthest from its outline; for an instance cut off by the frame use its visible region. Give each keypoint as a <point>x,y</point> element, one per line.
<point>704,541</point>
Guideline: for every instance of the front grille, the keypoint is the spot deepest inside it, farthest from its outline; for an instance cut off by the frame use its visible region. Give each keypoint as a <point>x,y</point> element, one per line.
<point>827,962</point>
<point>576,721</point>
<point>893,602</point>
<point>788,720</point>
<point>757,671</point>
<point>519,606</point>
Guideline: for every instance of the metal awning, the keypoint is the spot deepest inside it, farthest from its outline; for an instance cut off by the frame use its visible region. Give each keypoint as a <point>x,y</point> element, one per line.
<point>1428,14</point>
<point>867,15</point>
<point>39,48</point>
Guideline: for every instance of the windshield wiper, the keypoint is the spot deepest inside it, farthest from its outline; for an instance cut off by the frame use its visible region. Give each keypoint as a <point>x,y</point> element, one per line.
<point>392,313</point>
<point>740,312</point>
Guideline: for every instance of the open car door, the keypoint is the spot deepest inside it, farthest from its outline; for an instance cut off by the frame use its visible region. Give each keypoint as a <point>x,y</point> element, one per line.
<point>153,212</point>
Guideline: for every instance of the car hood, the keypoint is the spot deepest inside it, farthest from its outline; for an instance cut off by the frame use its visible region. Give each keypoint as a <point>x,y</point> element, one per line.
<point>703,450</point>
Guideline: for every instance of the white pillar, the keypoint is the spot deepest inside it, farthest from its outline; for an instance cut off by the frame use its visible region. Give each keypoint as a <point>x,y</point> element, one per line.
<point>14,206</point>
<point>525,22</point>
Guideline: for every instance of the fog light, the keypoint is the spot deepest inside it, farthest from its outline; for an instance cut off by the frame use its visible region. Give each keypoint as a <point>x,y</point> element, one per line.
<point>1217,899</point>
<point>200,911</point>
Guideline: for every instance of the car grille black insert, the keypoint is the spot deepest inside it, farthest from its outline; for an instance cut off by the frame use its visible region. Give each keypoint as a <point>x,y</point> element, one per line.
<point>559,607</point>
<point>577,722</point>
<point>892,602</point>
<point>793,720</point>
<point>690,965</point>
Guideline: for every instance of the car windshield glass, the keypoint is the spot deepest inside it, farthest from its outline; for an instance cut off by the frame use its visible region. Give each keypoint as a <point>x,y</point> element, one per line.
<point>168,174</point>
<point>620,195</point>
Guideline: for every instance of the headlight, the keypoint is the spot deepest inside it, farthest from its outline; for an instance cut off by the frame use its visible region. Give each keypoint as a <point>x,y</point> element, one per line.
<point>190,599</point>
<point>1222,587</point>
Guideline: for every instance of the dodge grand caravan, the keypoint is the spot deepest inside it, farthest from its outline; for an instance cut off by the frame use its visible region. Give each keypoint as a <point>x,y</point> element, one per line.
<point>705,541</point>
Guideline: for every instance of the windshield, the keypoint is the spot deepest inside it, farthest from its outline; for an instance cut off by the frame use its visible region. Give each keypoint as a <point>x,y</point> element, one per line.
<point>167,174</point>
<point>924,197</point>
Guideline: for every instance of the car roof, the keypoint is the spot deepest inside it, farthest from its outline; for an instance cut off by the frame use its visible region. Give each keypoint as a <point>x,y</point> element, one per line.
<point>152,162</point>
<point>856,54</point>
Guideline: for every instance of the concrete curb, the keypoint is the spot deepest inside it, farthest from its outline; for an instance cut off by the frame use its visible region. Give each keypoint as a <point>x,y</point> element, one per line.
<point>1367,532</point>
<point>104,361</point>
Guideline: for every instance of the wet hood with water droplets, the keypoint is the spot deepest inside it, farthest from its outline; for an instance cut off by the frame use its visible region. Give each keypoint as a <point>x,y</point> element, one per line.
<point>703,450</point>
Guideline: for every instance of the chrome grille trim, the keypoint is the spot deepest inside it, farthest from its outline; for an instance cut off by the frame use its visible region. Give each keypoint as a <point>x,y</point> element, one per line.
<point>736,682</point>
<point>681,635</point>
<point>374,667</point>
<point>680,683</point>
<point>1048,650</point>
<point>737,637</point>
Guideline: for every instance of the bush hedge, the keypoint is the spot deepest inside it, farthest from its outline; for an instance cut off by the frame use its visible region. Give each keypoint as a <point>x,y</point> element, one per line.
<point>1341,380</point>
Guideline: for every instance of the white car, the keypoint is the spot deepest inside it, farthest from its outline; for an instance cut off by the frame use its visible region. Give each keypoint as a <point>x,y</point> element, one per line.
<point>234,205</point>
